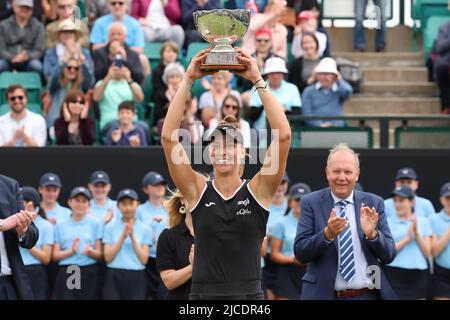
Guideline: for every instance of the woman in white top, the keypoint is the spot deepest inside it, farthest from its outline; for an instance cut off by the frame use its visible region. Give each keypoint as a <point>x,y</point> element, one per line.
<point>232,106</point>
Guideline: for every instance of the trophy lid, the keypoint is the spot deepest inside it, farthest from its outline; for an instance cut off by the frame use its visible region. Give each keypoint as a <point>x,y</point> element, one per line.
<point>222,26</point>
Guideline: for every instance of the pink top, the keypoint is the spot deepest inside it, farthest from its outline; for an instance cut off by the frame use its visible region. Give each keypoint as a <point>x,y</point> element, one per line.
<point>172,9</point>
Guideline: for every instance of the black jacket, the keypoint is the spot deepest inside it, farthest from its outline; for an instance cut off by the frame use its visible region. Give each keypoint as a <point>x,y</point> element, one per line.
<point>11,202</point>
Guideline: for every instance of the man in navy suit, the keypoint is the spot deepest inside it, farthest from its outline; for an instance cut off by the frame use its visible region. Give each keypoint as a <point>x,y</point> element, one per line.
<point>343,236</point>
<point>16,229</point>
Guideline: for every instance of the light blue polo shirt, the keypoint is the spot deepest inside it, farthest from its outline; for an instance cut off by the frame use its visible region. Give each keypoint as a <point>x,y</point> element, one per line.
<point>59,212</point>
<point>135,35</point>
<point>276,214</point>
<point>287,95</point>
<point>45,237</point>
<point>146,213</point>
<point>285,230</point>
<point>127,258</point>
<point>439,224</point>
<point>99,212</point>
<point>87,229</point>
<point>410,257</point>
<point>423,207</point>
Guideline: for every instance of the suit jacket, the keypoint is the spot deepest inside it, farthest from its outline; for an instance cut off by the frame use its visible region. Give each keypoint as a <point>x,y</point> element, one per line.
<point>322,258</point>
<point>11,202</point>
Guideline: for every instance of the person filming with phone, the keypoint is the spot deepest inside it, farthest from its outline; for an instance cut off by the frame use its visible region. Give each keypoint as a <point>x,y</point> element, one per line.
<point>16,229</point>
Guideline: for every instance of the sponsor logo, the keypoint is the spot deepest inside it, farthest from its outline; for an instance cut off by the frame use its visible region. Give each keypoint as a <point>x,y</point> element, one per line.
<point>243,202</point>
<point>243,212</point>
<point>209,204</point>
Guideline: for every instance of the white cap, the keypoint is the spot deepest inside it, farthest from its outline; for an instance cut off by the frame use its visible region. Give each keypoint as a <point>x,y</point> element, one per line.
<point>327,65</point>
<point>274,64</point>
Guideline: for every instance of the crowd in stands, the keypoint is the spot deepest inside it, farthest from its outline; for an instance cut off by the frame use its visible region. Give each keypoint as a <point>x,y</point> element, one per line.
<point>99,63</point>
<point>129,250</point>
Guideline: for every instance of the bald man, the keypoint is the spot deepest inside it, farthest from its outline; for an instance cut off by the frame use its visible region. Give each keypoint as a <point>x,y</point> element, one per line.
<point>104,56</point>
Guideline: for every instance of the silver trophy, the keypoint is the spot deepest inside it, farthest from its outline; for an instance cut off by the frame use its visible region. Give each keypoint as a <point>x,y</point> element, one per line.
<point>222,28</point>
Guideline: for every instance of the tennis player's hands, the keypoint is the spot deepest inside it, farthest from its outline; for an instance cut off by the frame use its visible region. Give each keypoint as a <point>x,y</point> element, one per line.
<point>252,73</point>
<point>193,71</point>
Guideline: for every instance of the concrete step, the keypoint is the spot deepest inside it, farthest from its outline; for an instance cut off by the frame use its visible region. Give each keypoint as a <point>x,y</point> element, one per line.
<point>379,73</point>
<point>384,59</point>
<point>362,104</point>
<point>401,88</point>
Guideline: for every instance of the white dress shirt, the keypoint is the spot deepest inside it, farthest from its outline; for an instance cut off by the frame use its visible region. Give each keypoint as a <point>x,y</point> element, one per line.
<point>5,269</point>
<point>360,280</point>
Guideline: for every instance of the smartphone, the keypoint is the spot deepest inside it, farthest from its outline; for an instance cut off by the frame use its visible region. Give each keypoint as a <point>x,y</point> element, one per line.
<point>118,61</point>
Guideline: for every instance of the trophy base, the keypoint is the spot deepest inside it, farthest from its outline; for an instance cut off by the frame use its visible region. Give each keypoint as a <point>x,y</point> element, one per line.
<point>229,67</point>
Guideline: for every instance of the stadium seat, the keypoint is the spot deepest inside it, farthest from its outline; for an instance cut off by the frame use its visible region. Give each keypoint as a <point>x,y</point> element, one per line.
<point>148,89</point>
<point>431,31</point>
<point>29,80</point>
<point>192,50</point>
<point>152,52</point>
<point>35,107</point>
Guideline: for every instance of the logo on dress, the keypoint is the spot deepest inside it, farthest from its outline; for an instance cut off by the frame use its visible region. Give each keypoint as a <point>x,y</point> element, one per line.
<point>243,212</point>
<point>209,204</point>
<point>243,202</point>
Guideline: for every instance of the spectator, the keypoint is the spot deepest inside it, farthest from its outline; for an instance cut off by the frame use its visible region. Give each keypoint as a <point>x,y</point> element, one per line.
<point>422,206</point>
<point>277,210</point>
<point>127,241</point>
<point>188,7</point>
<point>359,40</point>
<point>168,54</point>
<point>327,94</point>
<point>173,74</point>
<point>78,242</point>
<point>134,34</point>
<point>211,101</point>
<point>232,106</point>
<point>442,66</point>
<point>68,46</point>
<point>193,128</point>
<point>440,247</point>
<point>102,207</point>
<point>40,255</point>
<point>314,7</point>
<point>21,40</point>
<point>97,9</point>
<point>21,127</point>
<point>66,10</point>
<point>255,5</point>
<point>117,49</point>
<point>408,273</point>
<point>153,214</point>
<point>290,271</point>
<point>270,19</point>
<point>301,69</point>
<point>284,92</point>
<point>126,133</point>
<point>50,189</point>
<point>307,22</point>
<point>175,253</point>
<point>74,127</point>
<point>49,10</point>
<point>72,74</point>
<point>116,87</point>
<point>159,20</point>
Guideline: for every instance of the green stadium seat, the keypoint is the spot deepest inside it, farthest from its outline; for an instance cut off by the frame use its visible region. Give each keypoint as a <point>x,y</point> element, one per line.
<point>431,31</point>
<point>148,89</point>
<point>29,80</point>
<point>193,49</point>
<point>35,107</point>
<point>152,52</point>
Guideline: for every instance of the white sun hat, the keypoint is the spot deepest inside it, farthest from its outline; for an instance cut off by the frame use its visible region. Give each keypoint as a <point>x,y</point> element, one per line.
<point>274,64</point>
<point>327,65</point>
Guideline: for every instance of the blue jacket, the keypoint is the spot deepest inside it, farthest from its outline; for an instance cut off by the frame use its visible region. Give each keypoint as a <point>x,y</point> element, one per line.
<point>322,258</point>
<point>11,202</point>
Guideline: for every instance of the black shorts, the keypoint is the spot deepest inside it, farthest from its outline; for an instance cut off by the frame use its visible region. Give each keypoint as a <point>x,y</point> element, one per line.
<point>408,284</point>
<point>89,284</point>
<point>123,284</point>
<point>37,274</point>
<point>289,281</point>
<point>269,273</point>
<point>440,283</point>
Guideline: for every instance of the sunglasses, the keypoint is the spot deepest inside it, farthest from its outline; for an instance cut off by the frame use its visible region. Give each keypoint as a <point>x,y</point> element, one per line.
<point>230,106</point>
<point>262,40</point>
<point>118,3</point>
<point>72,68</point>
<point>13,98</point>
<point>78,101</point>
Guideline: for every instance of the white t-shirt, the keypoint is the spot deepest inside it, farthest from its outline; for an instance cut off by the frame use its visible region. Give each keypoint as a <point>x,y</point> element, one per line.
<point>34,127</point>
<point>245,130</point>
<point>156,15</point>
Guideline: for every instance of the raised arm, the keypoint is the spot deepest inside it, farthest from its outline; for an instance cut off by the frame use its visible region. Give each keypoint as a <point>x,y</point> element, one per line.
<point>266,181</point>
<point>189,182</point>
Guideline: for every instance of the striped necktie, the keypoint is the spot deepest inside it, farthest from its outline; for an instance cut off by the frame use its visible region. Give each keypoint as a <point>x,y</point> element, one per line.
<point>347,259</point>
